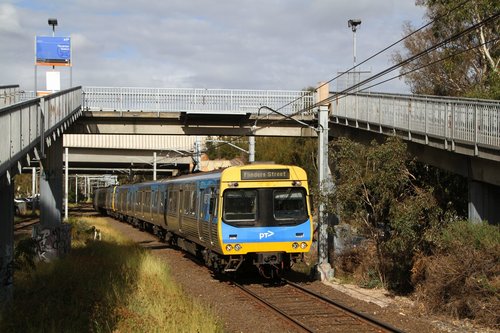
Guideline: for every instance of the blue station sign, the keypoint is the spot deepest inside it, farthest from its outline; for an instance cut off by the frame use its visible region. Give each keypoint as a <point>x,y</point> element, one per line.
<point>53,51</point>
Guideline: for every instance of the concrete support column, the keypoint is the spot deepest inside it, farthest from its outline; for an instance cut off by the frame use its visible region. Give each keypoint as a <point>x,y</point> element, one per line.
<point>66,182</point>
<point>197,155</point>
<point>51,192</point>
<point>76,189</point>
<point>483,202</point>
<point>6,238</point>
<point>322,180</point>
<point>251,149</point>
<point>325,184</point>
<point>33,191</point>
<point>154,166</point>
<point>53,237</point>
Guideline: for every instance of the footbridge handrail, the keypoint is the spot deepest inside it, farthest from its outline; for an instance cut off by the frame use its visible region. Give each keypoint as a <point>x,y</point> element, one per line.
<point>26,124</point>
<point>9,94</point>
<point>193,100</point>
<point>472,122</point>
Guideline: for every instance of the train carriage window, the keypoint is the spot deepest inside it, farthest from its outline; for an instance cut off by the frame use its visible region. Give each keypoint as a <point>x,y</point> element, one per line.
<point>147,200</point>
<point>289,204</point>
<point>190,203</point>
<point>240,205</point>
<point>172,202</point>
<point>162,198</point>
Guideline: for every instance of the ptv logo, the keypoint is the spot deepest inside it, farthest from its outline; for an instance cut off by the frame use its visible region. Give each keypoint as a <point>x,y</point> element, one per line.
<point>267,234</point>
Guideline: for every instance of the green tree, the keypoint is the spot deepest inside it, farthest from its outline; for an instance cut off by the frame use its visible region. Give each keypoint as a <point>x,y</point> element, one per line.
<point>218,147</point>
<point>376,194</point>
<point>289,150</point>
<point>23,185</point>
<point>469,65</point>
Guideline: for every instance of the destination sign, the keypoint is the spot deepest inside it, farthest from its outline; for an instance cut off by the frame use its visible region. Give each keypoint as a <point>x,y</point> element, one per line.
<point>257,174</point>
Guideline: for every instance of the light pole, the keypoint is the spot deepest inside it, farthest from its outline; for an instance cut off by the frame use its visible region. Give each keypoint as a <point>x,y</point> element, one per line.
<point>53,23</point>
<point>353,24</point>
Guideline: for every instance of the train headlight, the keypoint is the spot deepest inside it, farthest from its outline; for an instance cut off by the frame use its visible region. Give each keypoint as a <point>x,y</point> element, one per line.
<point>295,245</point>
<point>296,183</point>
<point>229,247</point>
<point>303,245</point>
<point>237,247</point>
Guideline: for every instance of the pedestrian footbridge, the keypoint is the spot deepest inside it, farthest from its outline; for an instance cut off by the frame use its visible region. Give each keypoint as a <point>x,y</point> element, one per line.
<point>461,135</point>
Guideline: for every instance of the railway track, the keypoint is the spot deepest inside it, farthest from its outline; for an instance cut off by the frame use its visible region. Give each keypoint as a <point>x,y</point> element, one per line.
<point>26,224</point>
<point>312,312</point>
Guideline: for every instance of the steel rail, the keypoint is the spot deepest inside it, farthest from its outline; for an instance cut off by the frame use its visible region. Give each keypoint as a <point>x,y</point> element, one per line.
<point>369,319</point>
<point>277,310</point>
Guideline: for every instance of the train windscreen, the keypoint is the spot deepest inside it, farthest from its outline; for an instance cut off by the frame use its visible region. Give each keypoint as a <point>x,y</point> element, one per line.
<point>264,207</point>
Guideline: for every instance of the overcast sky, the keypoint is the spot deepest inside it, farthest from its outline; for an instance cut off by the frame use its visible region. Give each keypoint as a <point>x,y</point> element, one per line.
<point>240,44</point>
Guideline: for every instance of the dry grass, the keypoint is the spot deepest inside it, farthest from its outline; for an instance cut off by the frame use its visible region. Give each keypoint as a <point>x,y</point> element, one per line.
<point>103,286</point>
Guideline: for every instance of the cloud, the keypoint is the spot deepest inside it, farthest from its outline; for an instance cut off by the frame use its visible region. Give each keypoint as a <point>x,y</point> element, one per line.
<point>10,19</point>
<point>246,44</point>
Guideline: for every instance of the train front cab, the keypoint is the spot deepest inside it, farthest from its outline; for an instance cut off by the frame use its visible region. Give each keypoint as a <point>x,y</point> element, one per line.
<point>264,216</point>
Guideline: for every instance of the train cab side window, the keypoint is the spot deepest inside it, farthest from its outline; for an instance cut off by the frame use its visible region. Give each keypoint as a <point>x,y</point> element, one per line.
<point>212,210</point>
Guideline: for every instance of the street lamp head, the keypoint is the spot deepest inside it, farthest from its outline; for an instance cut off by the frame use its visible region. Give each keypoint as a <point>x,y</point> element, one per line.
<point>53,22</point>
<point>353,24</point>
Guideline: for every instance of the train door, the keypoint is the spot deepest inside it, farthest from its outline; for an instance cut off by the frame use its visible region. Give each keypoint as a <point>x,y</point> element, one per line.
<point>154,204</point>
<point>172,208</point>
<point>210,201</point>
<point>200,214</point>
<point>180,211</point>
<point>205,216</point>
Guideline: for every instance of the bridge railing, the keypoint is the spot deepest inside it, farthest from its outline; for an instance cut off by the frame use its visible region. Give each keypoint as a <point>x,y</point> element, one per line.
<point>24,124</point>
<point>193,100</point>
<point>9,94</point>
<point>470,121</point>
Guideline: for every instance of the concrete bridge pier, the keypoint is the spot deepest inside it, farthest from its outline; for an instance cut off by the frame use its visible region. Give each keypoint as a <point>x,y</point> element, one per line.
<point>53,237</point>
<point>51,190</point>
<point>484,202</point>
<point>6,238</point>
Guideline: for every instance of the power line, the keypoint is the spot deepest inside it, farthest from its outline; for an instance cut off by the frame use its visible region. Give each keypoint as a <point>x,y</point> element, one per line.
<point>390,69</point>
<point>396,66</point>
<point>383,50</point>
<point>429,64</point>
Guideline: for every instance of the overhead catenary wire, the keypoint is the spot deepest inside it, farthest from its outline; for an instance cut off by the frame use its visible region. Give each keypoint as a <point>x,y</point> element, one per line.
<point>428,64</point>
<point>394,67</point>
<point>383,50</point>
<point>386,71</point>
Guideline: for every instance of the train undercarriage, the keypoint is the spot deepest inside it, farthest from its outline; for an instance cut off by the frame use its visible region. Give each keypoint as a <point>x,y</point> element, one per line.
<point>269,265</point>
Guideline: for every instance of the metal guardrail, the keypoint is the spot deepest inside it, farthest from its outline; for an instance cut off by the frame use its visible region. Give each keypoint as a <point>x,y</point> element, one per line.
<point>9,95</point>
<point>470,121</point>
<point>24,124</point>
<point>215,101</point>
<point>26,95</point>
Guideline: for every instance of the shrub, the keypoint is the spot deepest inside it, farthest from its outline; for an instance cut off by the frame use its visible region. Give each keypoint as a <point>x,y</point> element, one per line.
<point>462,277</point>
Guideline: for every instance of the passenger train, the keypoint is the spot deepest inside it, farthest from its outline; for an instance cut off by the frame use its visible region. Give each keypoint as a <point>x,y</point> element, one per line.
<point>243,216</point>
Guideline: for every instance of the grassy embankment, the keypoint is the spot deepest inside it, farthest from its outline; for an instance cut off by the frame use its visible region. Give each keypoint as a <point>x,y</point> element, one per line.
<point>103,286</point>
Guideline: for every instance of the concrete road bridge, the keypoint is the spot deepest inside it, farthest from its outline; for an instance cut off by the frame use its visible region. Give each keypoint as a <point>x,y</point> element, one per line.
<point>460,135</point>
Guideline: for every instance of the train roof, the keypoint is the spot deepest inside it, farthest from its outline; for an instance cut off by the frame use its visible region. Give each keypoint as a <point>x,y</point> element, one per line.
<point>231,172</point>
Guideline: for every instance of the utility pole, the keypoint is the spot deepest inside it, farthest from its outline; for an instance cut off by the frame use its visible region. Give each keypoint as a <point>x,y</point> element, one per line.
<point>353,24</point>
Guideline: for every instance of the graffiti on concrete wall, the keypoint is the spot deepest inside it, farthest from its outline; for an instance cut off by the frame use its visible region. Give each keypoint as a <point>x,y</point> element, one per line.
<point>6,272</point>
<point>52,242</point>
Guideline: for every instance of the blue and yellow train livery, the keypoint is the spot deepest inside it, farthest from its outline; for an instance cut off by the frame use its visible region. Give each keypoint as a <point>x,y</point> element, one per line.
<point>255,215</point>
